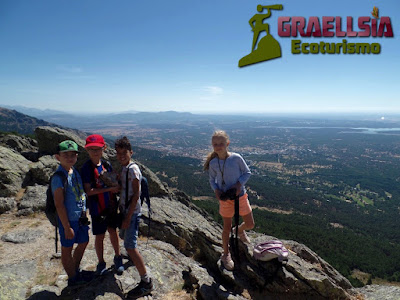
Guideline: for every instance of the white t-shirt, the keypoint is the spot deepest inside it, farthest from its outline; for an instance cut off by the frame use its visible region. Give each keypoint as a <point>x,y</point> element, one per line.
<point>134,173</point>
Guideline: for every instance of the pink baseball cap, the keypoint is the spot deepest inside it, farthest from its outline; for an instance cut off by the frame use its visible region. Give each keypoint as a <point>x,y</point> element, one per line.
<point>95,140</point>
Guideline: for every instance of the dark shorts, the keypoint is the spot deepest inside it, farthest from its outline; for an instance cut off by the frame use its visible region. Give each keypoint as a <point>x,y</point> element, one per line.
<point>81,234</point>
<point>101,223</point>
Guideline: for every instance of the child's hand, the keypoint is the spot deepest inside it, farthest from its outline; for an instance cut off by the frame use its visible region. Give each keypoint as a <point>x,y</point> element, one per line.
<point>115,189</point>
<point>218,194</point>
<point>125,223</point>
<point>238,187</point>
<point>69,233</point>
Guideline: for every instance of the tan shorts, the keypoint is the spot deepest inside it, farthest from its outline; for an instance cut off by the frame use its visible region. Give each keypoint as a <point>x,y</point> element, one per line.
<point>227,208</point>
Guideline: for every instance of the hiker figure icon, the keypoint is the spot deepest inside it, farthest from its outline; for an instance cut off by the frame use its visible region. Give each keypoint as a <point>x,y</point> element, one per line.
<point>268,47</point>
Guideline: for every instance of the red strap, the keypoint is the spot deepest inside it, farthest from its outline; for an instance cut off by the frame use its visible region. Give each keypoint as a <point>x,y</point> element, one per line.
<point>101,203</point>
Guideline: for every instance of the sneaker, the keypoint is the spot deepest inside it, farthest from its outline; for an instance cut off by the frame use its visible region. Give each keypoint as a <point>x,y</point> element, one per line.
<point>244,238</point>
<point>227,262</point>
<point>118,264</point>
<point>142,289</point>
<point>101,268</point>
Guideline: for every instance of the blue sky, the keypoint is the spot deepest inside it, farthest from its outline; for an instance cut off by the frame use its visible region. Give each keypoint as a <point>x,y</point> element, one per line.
<point>109,56</point>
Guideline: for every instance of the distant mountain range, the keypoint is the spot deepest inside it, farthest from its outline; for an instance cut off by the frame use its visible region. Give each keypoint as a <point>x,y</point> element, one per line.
<point>91,121</point>
<point>12,120</point>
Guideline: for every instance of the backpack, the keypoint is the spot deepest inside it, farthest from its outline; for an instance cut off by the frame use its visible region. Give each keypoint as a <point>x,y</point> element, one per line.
<point>269,250</point>
<point>144,195</point>
<point>50,210</point>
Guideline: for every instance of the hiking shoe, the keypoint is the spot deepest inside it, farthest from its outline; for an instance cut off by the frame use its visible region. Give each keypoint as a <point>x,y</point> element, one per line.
<point>142,289</point>
<point>244,238</point>
<point>227,261</point>
<point>118,264</point>
<point>101,268</point>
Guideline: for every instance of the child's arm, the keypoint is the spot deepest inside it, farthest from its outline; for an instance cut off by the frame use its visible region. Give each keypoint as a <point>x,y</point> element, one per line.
<point>212,174</point>
<point>62,213</point>
<point>95,191</point>
<point>245,172</point>
<point>133,202</point>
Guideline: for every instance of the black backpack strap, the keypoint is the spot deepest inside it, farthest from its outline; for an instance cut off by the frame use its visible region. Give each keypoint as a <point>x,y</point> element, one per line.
<point>235,240</point>
<point>127,187</point>
<point>106,164</point>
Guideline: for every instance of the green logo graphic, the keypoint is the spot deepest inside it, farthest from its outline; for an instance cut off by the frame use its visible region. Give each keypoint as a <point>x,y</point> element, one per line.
<point>267,48</point>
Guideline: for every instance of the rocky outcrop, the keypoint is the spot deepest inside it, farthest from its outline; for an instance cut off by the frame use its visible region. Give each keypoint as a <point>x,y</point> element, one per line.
<point>380,292</point>
<point>13,169</point>
<point>49,137</point>
<point>41,171</point>
<point>33,200</point>
<point>6,204</point>
<point>182,253</point>
<point>26,146</point>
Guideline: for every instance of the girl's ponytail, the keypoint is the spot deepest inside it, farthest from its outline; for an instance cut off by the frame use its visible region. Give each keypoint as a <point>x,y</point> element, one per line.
<point>210,156</point>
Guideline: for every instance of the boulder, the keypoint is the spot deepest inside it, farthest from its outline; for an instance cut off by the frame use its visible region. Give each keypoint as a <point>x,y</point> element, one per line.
<point>19,143</point>
<point>34,199</point>
<point>6,204</point>
<point>22,237</point>
<point>13,169</point>
<point>41,171</point>
<point>49,137</point>
<point>26,146</point>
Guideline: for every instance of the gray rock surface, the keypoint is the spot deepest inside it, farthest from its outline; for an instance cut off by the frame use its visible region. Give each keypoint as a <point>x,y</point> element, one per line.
<point>6,204</point>
<point>34,198</point>
<point>49,137</point>
<point>22,144</point>
<point>380,292</point>
<point>13,169</point>
<point>18,143</point>
<point>21,237</point>
<point>41,171</point>
<point>182,254</point>
<point>15,278</point>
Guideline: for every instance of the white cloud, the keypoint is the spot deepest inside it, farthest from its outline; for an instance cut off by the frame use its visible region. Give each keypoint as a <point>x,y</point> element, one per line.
<point>214,90</point>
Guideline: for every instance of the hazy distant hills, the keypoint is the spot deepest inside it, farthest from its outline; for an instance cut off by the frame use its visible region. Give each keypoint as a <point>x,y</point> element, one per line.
<point>90,121</point>
<point>11,120</point>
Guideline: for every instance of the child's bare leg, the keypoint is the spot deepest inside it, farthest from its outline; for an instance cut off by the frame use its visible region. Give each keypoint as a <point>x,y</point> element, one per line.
<point>114,240</point>
<point>78,253</point>
<point>225,234</point>
<point>137,260</point>
<point>248,223</point>
<point>99,246</point>
<point>68,261</point>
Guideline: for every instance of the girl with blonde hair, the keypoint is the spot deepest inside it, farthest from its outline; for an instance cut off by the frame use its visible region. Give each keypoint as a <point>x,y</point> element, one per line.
<point>228,170</point>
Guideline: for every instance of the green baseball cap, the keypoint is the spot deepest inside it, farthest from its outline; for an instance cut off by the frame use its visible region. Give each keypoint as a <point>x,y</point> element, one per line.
<point>67,145</point>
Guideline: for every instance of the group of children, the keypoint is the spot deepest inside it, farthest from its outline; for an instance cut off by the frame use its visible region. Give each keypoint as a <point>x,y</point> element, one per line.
<point>87,186</point>
<point>227,171</point>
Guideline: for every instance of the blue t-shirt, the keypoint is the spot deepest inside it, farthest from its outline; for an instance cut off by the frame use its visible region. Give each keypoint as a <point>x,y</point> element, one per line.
<point>224,173</point>
<point>97,203</point>
<point>74,201</point>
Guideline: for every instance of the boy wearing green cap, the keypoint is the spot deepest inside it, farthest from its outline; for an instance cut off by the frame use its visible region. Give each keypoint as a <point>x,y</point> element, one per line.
<point>71,210</point>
